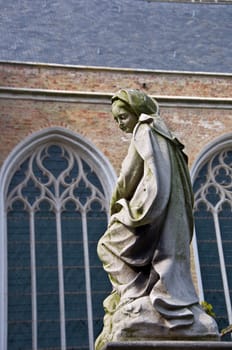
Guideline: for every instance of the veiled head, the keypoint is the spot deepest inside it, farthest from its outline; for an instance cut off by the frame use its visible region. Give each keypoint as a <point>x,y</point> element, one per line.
<point>136,101</point>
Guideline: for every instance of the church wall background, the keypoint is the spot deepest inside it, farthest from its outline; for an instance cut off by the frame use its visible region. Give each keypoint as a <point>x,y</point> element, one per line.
<point>73,103</point>
<point>33,97</point>
<point>196,106</point>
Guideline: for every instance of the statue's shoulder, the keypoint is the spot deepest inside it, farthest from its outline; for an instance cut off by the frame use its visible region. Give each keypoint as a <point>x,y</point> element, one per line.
<point>144,125</point>
<point>160,127</point>
<point>152,123</point>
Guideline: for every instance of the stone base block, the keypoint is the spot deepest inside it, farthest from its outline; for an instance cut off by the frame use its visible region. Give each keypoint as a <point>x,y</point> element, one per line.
<point>169,345</point>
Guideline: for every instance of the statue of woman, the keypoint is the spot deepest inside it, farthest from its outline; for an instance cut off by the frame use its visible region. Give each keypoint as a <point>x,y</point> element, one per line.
<point>145,250</point>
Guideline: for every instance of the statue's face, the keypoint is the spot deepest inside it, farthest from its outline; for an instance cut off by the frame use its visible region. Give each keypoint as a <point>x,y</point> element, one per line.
<point>125,119</point>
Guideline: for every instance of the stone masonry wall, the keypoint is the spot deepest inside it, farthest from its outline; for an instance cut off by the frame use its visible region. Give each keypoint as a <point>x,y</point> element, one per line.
<point>195,122</point>
<point>19,118</point>
<point>195,125</point>
<point>94,79</point>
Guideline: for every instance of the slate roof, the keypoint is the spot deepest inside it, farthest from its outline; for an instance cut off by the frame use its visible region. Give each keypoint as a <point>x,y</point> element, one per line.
<point>118,33</point>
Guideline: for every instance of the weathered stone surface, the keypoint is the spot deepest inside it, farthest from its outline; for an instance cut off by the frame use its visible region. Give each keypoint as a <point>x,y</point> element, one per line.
<point>139,320</point>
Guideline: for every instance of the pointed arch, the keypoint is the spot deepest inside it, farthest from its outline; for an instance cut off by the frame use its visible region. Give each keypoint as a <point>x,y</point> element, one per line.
<point>212,184</point>
<point>92,163</point>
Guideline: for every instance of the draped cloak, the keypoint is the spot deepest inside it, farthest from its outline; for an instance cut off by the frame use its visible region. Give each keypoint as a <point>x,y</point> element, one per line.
<point>145,249</point>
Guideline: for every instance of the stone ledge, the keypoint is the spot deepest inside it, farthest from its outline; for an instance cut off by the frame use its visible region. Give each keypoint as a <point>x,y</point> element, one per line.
<point>169,345</point>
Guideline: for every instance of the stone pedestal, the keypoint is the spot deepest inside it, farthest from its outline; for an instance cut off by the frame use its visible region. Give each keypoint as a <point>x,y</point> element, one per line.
<point>169,345</point>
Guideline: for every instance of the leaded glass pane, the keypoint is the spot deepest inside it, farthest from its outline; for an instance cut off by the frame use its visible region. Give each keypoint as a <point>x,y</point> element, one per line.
<point>19,279</point>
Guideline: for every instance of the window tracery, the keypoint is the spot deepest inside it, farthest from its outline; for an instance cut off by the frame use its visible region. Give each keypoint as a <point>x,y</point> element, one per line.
<point>212,184</point>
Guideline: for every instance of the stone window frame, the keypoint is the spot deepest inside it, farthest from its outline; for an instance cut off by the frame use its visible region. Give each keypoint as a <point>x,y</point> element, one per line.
<point>222,143</point>
<point>98,161</point>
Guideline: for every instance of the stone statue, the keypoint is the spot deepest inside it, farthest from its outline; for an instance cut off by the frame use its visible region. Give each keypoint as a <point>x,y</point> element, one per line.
<point>145,250</point>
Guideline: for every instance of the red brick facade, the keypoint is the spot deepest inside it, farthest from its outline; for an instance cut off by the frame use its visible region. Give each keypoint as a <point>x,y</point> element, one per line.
<point>197,107</point>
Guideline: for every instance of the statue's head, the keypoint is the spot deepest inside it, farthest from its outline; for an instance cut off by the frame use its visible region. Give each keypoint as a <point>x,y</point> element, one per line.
<point>129,104</point>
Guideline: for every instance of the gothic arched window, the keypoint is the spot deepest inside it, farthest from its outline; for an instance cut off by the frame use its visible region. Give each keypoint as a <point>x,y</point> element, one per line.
<point>212,184</point>
<point>55,204</point>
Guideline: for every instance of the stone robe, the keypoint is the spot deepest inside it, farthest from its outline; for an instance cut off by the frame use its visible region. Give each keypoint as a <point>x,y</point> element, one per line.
<point>145,250</point>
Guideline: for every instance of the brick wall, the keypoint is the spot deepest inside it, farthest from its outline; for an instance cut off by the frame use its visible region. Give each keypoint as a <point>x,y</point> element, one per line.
<point>74,78</point>
<point>197,107</point>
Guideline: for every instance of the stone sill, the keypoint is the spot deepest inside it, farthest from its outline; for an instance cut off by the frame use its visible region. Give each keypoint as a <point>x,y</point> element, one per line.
<point>169,345</point>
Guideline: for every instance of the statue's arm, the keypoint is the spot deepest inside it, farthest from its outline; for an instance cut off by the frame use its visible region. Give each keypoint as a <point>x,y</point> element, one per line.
<point>150,192</point>
<point>129,178</point>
